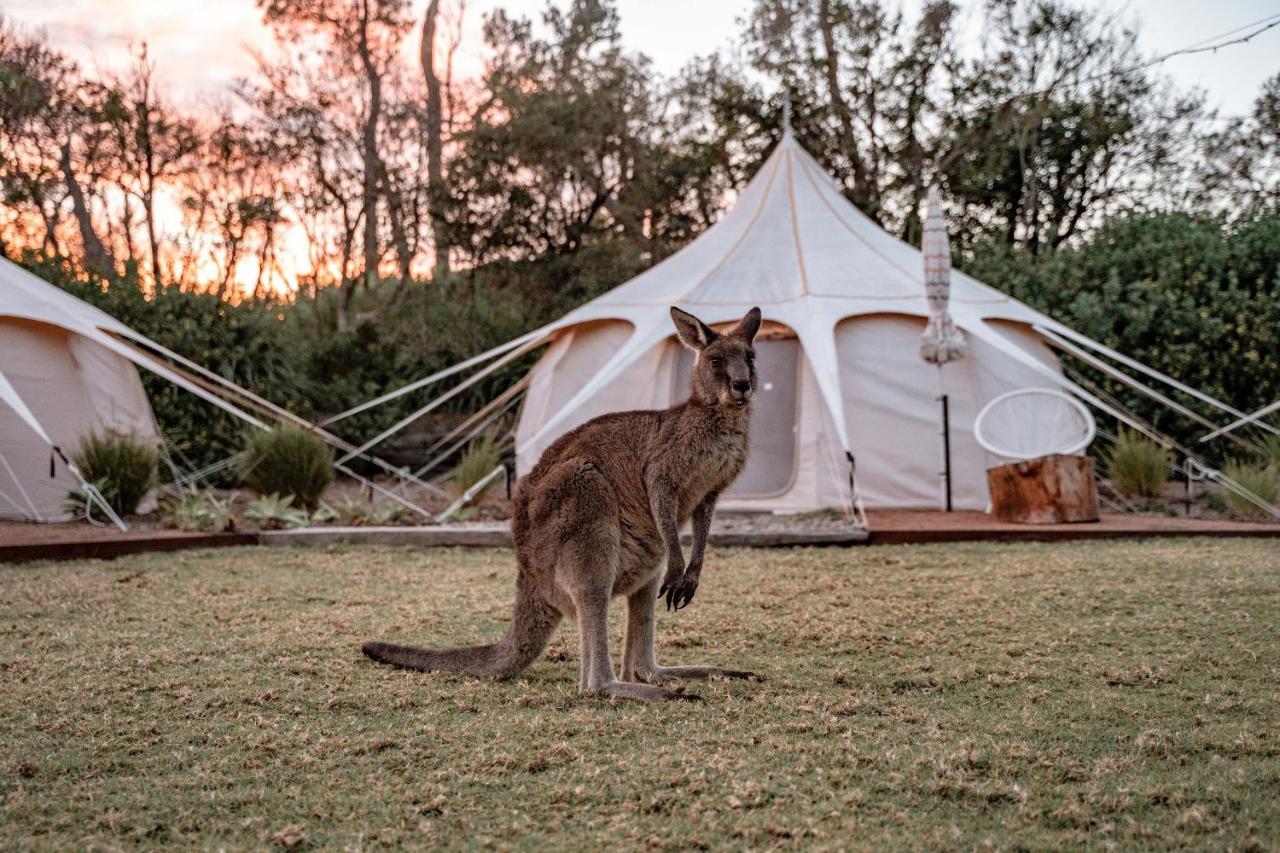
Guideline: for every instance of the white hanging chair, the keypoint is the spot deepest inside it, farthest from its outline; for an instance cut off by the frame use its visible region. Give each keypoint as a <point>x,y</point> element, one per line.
<point>1032,422</point>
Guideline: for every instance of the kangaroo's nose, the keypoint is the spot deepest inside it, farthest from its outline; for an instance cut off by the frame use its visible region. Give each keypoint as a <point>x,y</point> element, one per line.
<point>742,385</point>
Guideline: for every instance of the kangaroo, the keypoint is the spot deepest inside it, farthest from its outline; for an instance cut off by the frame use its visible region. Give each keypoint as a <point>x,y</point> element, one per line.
<point>599,512</point>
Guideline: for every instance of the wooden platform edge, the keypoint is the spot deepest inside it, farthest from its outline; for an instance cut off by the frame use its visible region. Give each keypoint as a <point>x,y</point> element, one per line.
<point>109,549</point>
<point>1055,533</point>
<point>106,549</point>
<point>437,537</point>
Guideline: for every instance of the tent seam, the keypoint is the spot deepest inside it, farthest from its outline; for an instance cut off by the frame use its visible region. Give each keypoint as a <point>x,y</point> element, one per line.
<point>795,225</point>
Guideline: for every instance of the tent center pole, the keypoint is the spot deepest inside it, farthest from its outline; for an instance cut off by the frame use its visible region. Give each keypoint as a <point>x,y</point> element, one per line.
<point>946,450</point>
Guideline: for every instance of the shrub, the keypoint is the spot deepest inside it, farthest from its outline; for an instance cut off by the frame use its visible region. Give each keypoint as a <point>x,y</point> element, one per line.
<point>287,461</point>
<point>276,512</point>
<point>1137,465</point>
<point>1262,480</point>
<point>197,510</point>
<point>122,466</point>
<point>360,512</point>
<point>1271,451</point>
<point>481,456</point>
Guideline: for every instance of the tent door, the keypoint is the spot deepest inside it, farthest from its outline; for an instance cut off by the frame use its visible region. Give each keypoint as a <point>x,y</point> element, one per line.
<point>771,465</point>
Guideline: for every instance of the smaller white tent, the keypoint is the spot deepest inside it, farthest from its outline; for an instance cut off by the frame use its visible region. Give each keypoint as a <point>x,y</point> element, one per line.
<point>69,369</point>
<point>58,384</point>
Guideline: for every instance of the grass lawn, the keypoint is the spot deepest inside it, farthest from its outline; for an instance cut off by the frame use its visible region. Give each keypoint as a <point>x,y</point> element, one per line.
<point>1028,696</point>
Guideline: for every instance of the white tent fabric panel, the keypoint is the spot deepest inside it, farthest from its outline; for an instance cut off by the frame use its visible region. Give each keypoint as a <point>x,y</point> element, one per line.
<point>895,420</point>
<point>641,383</point>
<point>73,387</point>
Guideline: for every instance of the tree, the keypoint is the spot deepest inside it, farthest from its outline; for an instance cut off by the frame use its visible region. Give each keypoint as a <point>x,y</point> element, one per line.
<point>1240,160</point>
<point>47,123</point>
<point>1054,123</point>
<point>155,146</point>
<point>234,206</point>
<point>331,57</point>
<point>556,139</point>
<point>433,130</point>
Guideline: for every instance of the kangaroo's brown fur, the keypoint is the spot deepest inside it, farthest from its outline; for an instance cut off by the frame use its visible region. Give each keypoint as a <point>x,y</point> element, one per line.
<point>601,510</point>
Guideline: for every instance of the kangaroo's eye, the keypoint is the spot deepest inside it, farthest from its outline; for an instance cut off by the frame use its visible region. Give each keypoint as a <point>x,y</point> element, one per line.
<point>751,358</point>
<point>716,362</point>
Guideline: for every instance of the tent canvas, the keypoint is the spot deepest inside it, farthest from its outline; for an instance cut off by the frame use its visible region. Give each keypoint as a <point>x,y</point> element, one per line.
<point>58,387</point>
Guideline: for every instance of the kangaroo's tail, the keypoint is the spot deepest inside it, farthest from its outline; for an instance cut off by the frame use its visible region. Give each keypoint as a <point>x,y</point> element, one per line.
<point>531,628</point>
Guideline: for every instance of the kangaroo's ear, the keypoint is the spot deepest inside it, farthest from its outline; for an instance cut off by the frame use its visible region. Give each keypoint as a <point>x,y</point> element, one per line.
<point>693,333</point>
<point>748,326</point>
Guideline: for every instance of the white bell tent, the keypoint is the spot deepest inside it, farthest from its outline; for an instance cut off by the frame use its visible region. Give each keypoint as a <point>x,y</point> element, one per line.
<point>58,384</point>
<point>841,374</point>
<point>68,369</point>
<point>846,405</point>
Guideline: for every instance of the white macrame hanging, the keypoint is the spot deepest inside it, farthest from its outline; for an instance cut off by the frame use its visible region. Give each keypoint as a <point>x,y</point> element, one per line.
<point>941,342</point>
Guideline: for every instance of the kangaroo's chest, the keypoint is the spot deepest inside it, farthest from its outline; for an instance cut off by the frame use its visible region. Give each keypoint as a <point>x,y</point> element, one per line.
<point>713,469</point>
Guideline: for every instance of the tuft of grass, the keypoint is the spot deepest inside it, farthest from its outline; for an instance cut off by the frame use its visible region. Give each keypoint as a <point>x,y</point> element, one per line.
<point>480,457</point>
<point>1037,696</point>
<point>122,466</point>
<point>289,461</point>
<point>1262,480</point>
<point>1270,445</point>
<point>1137,465</point>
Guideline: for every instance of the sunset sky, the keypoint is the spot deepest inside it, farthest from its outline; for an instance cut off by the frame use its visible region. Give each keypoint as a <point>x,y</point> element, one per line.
<point>200,47</point>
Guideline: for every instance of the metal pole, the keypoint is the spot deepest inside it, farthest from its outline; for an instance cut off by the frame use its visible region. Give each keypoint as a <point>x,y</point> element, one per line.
<point>1186,473</point>
<point>946,446</point>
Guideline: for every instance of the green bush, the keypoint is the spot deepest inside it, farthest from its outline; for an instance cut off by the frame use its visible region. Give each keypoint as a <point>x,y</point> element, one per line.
<point>198,510</point>
<point>360,512</point>
<point>287,461</point>
<point>123,467</point>
<point>1197,297</point>
<point>276,512</point>
<point>1262,480</point>
<point>481,456</point>
<point>1137,465</point>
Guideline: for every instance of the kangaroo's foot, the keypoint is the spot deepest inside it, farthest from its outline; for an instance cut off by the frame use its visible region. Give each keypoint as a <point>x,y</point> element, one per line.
<point>692,673</point>
<point>643,692</point>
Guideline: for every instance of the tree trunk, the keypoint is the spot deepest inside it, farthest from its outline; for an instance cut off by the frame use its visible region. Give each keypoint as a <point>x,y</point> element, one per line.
<point>96,257</point>
<point>399,237</point>
<point>370,153</point>
<point>1054,489</point>
<point>864,194</point>
<point>435,143</point>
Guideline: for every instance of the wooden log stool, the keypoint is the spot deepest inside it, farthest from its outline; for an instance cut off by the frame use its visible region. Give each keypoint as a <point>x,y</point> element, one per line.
<point>1056,489</point>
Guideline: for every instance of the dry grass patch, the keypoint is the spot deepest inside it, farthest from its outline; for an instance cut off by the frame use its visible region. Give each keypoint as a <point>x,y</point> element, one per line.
<point>1040,696</point>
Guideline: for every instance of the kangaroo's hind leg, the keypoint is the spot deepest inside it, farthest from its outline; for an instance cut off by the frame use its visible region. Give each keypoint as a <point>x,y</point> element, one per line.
<point>640,662</point>
<point>590,585</point>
